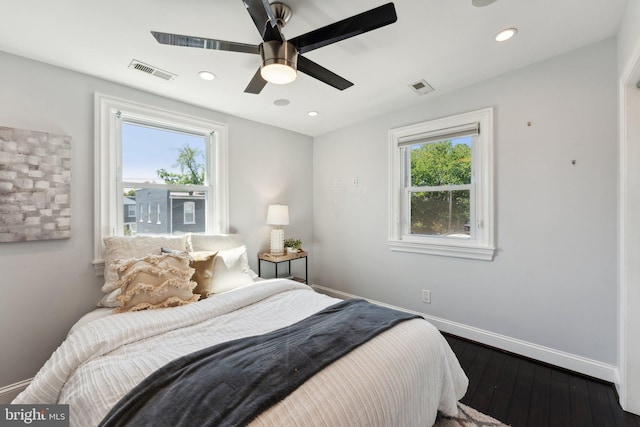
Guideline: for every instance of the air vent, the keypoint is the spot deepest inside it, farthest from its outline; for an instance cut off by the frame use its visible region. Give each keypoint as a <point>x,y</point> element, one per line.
<point>421,87</point>
<point>150,69</point>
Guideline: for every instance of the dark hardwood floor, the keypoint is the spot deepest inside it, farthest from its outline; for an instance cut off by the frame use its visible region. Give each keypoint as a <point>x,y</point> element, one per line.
<point>524,393</point>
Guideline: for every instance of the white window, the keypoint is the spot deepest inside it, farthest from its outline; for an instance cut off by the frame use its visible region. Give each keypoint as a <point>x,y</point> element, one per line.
<point>131,210</point>
<point>149,150</point>
<point>189,212</point>
<point>441,186</point>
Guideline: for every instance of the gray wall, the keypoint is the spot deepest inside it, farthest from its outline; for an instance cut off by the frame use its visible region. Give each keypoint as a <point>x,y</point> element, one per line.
<point>46,286</point>
<point>553,280</point>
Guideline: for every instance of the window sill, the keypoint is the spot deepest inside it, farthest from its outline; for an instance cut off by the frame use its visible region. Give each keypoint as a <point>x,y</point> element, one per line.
<point>450,249</point>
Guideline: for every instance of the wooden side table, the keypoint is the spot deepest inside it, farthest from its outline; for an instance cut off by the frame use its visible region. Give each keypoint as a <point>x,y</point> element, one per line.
<point>287,257</point>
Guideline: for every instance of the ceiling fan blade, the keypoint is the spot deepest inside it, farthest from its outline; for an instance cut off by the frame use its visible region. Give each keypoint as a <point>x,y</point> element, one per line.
<point>264,19</point>
<point>318,72</point>
<point>256,84</point>
<point>199,42</point>
<point>353,26</point>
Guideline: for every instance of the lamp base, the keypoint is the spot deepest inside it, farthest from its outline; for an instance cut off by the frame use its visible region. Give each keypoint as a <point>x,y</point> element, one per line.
<point>277,242</point>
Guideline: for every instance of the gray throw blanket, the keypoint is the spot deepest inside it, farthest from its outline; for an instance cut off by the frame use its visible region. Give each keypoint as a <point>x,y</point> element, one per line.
<point>231,383</point>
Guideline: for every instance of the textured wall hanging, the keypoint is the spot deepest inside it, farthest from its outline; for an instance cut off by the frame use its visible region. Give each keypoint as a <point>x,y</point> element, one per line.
<point>35,185</point>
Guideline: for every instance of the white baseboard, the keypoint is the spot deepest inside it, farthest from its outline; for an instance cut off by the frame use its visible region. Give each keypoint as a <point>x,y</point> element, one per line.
<point>9,392</point>
<point>582,365</point>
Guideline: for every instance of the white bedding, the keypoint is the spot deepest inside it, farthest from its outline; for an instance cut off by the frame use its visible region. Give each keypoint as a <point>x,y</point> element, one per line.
<point>402,377</point>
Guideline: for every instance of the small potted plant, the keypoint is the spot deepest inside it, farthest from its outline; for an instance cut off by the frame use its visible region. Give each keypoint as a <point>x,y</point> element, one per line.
<point>292,245</point>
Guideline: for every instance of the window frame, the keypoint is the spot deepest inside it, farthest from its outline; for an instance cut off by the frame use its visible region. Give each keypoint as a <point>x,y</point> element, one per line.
<point>480,244</point>
<point>110,112</point>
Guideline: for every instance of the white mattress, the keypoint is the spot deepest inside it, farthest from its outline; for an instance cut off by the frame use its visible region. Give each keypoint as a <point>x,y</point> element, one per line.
<point>401,377</point>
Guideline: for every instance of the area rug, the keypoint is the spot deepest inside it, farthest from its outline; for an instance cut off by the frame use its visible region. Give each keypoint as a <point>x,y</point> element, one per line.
<point>467,417</point>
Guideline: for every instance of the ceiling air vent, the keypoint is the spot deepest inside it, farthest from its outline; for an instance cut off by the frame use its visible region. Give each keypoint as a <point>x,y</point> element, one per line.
<point>150,69</point>
<point>421,87</point>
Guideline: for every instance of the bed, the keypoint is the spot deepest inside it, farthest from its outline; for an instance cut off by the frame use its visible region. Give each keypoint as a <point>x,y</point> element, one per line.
<point>401,377</point>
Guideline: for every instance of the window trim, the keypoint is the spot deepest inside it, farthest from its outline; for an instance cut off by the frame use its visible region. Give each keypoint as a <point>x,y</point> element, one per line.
<point>107,150</point>
<point>481,244</point>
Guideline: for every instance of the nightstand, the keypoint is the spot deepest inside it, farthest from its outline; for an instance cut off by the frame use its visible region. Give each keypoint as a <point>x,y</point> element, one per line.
<point>278,259</point>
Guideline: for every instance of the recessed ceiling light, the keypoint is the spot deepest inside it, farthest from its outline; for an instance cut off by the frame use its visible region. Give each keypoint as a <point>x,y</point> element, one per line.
<point>482,3</point>
<point>506,34</point>
<point>312,113</point>
<point>206,75</point>
<point>281,102</point>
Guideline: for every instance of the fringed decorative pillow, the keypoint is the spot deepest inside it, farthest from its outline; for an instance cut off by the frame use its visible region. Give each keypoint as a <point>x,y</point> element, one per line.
<point>127,247</point>
<point>154,281</point>
<point>203,263</point>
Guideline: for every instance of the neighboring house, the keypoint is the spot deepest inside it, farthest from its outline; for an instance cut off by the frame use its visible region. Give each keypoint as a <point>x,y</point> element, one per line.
<point>162,211</point>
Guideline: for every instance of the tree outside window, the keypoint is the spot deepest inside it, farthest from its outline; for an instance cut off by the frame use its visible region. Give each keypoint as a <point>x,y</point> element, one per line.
<point>440,176</point>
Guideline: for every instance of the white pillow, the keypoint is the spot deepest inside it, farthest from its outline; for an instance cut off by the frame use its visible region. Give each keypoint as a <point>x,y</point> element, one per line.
<point>231,270</point>
<point>109,300</point>
<point>213,242</point>
<point>126,247</point>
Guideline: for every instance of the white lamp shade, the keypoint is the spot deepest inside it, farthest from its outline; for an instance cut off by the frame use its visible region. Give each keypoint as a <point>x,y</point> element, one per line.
<point>278,215</point>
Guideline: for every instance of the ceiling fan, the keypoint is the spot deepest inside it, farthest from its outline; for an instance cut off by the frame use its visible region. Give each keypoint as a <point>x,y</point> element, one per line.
<point>280,57</point>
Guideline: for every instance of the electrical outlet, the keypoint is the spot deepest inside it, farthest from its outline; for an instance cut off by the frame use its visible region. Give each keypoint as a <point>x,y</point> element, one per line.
<point>354,181</point>
<point>426,296</point>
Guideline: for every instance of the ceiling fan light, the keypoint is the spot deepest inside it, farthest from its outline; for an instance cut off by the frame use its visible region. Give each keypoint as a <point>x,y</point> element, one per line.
<point>279,74</point>
<point>279,62</point>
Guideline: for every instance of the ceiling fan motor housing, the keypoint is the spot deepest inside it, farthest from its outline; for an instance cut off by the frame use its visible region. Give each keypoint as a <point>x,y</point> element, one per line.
<point>278,53</point>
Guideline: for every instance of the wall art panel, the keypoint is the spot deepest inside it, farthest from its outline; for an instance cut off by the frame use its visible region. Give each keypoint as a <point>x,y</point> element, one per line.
<point>35,185</point>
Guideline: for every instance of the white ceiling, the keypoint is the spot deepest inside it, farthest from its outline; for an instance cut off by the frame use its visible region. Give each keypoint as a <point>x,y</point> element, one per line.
<point>449,43</point>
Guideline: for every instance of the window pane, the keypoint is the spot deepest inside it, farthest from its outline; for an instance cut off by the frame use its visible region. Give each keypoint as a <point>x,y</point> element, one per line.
<point>445,162</point>
<point>130,215</point>
<point>165,211</point>
<point>189,212</point>
<point>156,155</point>
<point>441,213</point>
